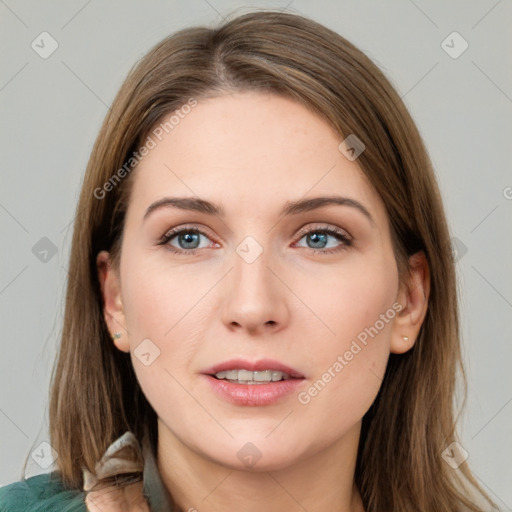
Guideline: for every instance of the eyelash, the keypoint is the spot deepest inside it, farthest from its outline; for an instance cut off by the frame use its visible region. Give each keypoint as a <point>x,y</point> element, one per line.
<point>339,235</point>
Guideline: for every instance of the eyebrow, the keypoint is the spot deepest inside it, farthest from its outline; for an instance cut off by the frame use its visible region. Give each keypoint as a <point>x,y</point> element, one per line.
<point>290,208</point>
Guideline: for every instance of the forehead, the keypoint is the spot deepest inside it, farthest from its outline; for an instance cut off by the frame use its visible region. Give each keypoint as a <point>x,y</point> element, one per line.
<point>248,150</point>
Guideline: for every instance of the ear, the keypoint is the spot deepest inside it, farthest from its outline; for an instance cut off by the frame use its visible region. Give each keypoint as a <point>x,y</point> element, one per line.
<point>413,297</point>
<point>112,304</point>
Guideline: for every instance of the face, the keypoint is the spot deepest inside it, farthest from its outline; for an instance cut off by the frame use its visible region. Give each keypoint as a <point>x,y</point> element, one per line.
<point>313,292</point>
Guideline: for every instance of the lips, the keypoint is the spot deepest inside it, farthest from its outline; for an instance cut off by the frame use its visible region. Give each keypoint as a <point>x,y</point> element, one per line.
<point>254,366</point>
<point>251,393</point>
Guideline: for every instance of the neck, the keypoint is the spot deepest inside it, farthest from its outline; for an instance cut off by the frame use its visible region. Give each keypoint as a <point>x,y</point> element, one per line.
<point>323,481</point>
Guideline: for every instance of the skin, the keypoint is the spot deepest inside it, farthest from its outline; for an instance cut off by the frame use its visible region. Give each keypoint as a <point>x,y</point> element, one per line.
<point>251,153</point>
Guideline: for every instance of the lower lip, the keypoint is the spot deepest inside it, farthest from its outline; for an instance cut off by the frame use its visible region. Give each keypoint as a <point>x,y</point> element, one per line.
<point>253,394</point>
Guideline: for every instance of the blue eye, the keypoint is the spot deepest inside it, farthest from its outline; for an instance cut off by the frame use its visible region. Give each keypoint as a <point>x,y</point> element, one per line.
<point>319,239</point>
<point>189,240</point>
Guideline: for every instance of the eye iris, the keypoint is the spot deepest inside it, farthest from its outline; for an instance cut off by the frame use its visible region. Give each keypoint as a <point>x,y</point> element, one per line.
<point>316,236</point>
<point>188,238</point>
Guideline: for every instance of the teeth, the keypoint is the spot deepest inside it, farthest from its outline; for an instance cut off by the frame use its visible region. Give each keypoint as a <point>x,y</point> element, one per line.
<point>279,375</point>
<point>248,377</point>
<point>245,375</point>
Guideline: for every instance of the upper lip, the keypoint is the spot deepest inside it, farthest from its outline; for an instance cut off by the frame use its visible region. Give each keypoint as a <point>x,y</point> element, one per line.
<point>254,366</point>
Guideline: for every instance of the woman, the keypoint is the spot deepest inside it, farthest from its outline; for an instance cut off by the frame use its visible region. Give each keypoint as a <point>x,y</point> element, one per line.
<point>301,353</point>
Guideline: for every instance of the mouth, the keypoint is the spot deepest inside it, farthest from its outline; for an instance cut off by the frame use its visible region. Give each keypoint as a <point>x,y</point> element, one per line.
<point>246,372</point>
<point>241,376</point>
<point>261,382</point>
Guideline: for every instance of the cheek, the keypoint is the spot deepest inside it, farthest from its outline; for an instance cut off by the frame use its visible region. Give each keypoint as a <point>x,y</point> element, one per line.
<point>349,364</point>
<point>157,299</point>
<point>159,313</point>
<point>158,317</point>
<point>346,301</point>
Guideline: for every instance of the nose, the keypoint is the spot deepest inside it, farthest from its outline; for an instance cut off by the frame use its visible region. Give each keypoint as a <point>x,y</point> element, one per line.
<point>255,297</point>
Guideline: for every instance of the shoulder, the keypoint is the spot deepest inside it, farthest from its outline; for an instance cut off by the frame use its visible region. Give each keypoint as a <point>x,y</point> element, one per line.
<point>40,493</point>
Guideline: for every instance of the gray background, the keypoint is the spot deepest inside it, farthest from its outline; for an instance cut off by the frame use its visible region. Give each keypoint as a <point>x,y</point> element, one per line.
<point>51,110</point>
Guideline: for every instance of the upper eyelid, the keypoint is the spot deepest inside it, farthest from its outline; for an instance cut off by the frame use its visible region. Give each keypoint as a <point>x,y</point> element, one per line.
<point>322,227</point>
<point>177,230</point>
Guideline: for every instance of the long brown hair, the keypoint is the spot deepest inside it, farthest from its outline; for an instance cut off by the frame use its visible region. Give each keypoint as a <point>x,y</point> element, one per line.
<point>95,396</point>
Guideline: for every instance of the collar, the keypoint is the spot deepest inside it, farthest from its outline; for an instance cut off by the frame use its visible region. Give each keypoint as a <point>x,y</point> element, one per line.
<point>125,462</point>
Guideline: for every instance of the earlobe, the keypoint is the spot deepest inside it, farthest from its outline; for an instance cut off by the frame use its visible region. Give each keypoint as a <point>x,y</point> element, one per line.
<point>112,302</point>
<point>413,296</point>
<point>120,342</point>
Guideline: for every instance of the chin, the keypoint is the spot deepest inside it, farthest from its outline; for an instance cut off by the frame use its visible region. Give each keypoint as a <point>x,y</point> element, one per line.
<point>258,457</point>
